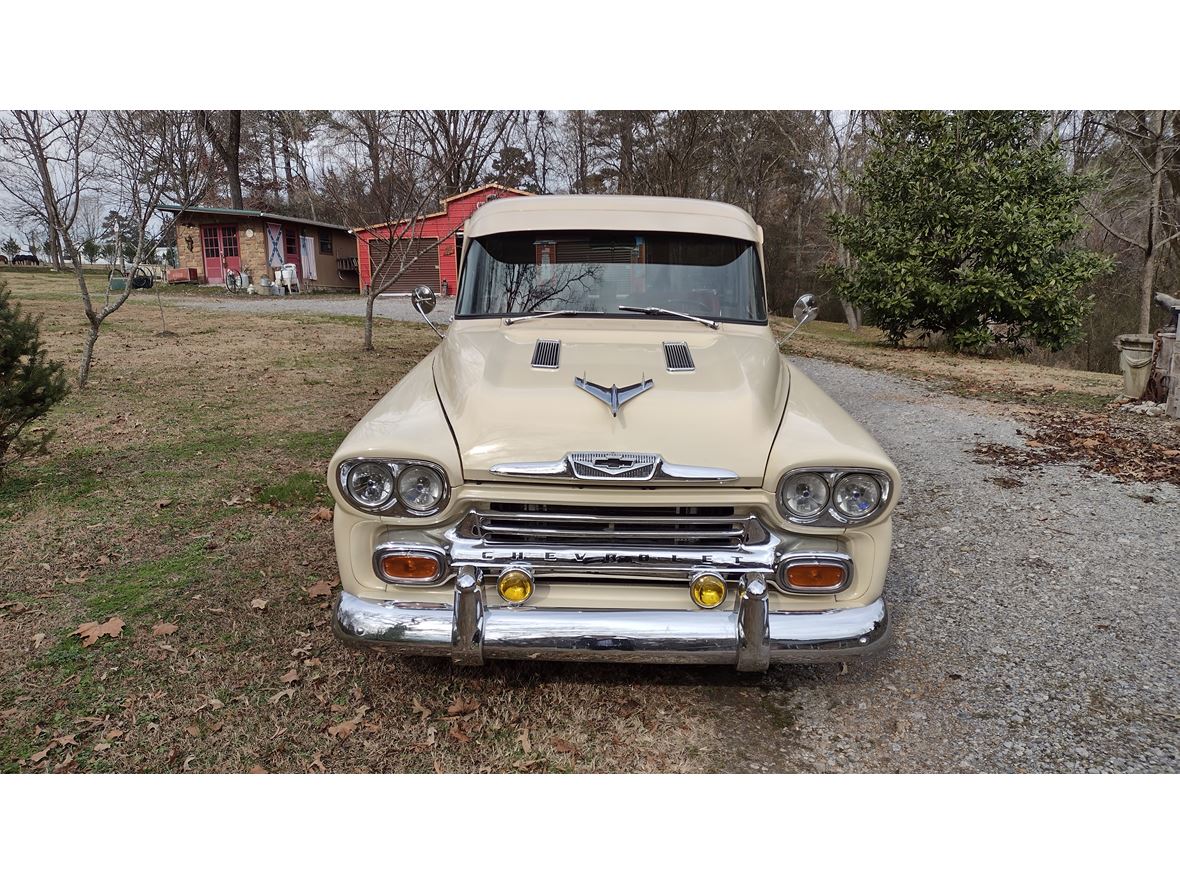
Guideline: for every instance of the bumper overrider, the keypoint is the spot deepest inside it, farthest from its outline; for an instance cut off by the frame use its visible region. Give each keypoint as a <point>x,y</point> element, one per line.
<point>746,634</point>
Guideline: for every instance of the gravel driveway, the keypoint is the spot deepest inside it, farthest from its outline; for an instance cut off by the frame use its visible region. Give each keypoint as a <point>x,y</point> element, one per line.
<point>1036,625</point>
<point>391,308</point>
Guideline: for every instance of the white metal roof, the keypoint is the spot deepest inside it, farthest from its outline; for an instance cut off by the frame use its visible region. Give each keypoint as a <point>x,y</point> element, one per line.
<point>603,212</point>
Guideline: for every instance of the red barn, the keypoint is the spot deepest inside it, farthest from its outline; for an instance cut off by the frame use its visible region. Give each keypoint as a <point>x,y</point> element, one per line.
<point>440,233</point>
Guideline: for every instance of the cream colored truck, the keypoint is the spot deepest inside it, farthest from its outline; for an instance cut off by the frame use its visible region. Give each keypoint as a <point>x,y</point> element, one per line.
<point>607,458</point>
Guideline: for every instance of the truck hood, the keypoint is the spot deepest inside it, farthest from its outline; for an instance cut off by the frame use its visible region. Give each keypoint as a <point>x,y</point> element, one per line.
<point>724,414</point>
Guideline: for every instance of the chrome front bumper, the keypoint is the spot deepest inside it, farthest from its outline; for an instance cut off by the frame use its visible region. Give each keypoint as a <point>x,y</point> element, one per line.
<point>749,636</point>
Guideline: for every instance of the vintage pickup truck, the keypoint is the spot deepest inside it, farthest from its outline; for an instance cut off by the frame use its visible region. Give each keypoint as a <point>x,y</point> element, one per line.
<point>608,458</point>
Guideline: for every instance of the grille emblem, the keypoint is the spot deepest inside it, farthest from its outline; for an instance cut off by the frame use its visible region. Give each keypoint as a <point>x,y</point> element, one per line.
<point>614,396</point>
<point>613,465</point>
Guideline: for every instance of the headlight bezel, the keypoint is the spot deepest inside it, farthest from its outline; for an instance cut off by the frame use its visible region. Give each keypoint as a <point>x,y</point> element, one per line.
<point>394,506</point>
<point>830,516</point>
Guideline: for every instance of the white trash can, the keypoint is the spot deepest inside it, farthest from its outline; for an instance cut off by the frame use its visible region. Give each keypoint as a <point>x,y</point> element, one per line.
<point>1135,362</point>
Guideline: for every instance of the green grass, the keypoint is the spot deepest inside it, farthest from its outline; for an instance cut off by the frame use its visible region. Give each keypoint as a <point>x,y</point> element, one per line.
<point>141,588</point>
<point>297,490</point>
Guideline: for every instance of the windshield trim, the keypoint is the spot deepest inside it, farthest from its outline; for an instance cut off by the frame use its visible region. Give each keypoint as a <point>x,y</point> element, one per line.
<point>468,242</point>
<point>612,316</point>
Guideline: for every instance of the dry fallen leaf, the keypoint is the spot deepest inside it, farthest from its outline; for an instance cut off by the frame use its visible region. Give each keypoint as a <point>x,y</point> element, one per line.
<point>91,631</point>
<point>38,756</point>
<point>163,629</point>
<point>290,676</point>
<point>421,710</point>
<point>460,707</point>
<point>456,733</point>
<point>38,638</point>
<point>188,761</point>
<point>344,729</point>
<point>321,588</point>
<point>525,743</point>
<point>563,746</point>
<point>258,769</point>
<point>193,730</point>
<point>101,748</point>
<point>113,734</point>
<point>287,693</point>
<point>259,603</point>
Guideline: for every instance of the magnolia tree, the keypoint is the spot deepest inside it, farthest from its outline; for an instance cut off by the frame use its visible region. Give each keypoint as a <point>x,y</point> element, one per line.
<point>965,227</point>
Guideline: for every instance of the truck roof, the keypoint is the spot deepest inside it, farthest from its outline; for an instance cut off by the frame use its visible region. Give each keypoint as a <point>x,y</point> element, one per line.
<point>611,212</point>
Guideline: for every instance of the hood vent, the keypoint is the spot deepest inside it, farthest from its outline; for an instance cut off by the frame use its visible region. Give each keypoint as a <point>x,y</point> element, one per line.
<point>677,357</point>
<point>546,354</point>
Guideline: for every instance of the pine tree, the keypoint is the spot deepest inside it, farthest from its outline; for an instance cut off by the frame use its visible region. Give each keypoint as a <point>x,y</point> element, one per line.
<point>965,228</point>
<point>30,383</point>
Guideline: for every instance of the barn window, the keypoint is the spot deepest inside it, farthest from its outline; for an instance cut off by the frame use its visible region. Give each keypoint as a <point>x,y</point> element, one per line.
<point>325,242</point>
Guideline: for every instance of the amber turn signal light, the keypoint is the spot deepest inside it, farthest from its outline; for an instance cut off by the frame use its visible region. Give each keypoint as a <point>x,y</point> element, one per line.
<point>398,567</point>
<point>816,575</point>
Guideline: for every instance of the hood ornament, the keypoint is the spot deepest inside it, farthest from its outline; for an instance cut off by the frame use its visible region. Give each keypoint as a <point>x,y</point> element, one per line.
<point>614,396</point>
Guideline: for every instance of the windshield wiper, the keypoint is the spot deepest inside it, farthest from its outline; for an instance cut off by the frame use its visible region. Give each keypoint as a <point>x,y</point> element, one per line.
<point>508,321</point>
<point>712,324</point>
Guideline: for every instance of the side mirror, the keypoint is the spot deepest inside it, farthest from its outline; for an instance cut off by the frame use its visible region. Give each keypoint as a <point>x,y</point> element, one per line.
<point>804,312</point>
<point>805,309</point>
<point>424,300</point>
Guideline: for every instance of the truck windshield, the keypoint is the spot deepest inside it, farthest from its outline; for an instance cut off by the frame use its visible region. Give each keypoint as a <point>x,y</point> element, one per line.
<point>600,272</point>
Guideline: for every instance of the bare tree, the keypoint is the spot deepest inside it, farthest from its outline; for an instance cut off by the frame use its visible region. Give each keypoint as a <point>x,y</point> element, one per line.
<point>838,156</point>
<point>384,190</point>
<point>458,145</point>
<point>46,167</point>
<point>1141,210</point>
<point>224,131</point>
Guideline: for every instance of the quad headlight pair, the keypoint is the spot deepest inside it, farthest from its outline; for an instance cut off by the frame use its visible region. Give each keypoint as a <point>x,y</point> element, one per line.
<point>834,497</point>
<point>393,486</point>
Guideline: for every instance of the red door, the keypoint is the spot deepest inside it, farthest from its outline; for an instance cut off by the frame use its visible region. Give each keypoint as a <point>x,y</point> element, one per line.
<point>291,245</point>
<point>220,244</point>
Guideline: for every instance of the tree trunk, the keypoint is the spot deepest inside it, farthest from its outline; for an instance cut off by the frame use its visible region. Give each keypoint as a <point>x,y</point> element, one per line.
<point>87,355</point>
<point>370,297</point>
<point>851,315</point>
<point>1153,224</point>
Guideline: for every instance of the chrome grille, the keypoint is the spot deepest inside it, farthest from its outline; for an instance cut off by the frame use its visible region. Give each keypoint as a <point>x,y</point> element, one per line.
<point>677,357</point>
<point>546,354</point>
<point>571,525</point>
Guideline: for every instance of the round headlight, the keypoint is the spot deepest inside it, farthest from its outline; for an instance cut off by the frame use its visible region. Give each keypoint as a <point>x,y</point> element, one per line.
<point>370,484</point>
<point>857,495</point>
<point>805,495</point>
<point>420,488</point>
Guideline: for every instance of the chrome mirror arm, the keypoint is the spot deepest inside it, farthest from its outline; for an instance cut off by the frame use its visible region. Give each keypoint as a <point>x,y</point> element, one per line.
<point>429,323</point>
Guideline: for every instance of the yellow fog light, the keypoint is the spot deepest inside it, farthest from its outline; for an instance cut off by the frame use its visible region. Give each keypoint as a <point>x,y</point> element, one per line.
<point>708,590</point>
<point>515,585</point>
